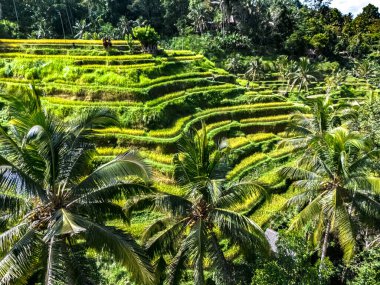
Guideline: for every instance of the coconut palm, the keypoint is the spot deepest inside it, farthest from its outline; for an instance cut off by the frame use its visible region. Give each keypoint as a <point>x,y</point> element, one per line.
<point>225,8</point>
<point>334,81</point>
<point>336,189</point>
<point>198,16</point>
<point>308,129</point>
<point>364,69</point>
<point>54,204</point>
<point>256,69</point>
<point>282,65</point>
<point>80,28</point>
<point>285,68</point>
<point>195,222</point>
<point>302,77</point>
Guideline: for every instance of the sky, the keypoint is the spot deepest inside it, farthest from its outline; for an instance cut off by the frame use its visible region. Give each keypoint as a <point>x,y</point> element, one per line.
<point>353,6</point>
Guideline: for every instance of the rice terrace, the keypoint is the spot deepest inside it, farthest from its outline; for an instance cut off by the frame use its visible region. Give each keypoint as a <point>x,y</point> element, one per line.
<point>189,142</point>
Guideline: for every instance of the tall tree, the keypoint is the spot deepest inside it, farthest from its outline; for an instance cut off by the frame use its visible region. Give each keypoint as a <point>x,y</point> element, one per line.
<point>54,204</point>
<point>337,189</point>
<point>302,77</point>
<point>195,223</point>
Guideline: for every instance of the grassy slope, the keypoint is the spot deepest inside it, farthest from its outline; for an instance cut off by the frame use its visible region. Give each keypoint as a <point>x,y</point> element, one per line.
<point>158,98</point>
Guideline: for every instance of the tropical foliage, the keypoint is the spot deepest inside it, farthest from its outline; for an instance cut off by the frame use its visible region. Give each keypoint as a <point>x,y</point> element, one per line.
<point>195,223</point>
<point>54,207</point>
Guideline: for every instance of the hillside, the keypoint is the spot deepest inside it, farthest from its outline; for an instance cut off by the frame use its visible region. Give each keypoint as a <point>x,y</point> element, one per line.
<point>158,98</point>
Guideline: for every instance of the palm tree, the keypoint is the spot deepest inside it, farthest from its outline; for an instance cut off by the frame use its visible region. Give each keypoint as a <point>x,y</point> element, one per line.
<point>364,69</point>
<point>196,222</point>
<point>80,28</point>
<point>307,129</point>
<point>285,68</point>
<point>256,69</point>
<point>334,81</point>
<point>282,65</point>
<point>198,16</point>
<point>54,205</point>
<point>336,189</point>
<point>234,63</point>
<point>225,10</point>
<point>125,26</point>
<point>302,77</point>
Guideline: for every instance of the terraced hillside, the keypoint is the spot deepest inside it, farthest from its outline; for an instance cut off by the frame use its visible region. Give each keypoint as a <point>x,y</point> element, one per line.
<point>158,98</point>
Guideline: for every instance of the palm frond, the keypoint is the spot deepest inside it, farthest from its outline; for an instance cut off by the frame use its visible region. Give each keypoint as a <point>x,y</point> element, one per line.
<point>14,179</point>
<point>114,190</point>
<point>139,203</point>
<point>367,204</point>
<point>177,265</point>
<point>238,192</point>
<point>122,246</point>
<point>296,173</point>
<point>309,213</point>
<point>197,247</point>
<point>9,237</point>
<point>219,264</point>
<point>239,229</point>
<point>128,164</point>
<point>346,233</point>
<point>175,205</point>
<point>55,266</point>
<point>165,240</point>
<point>22,259</point>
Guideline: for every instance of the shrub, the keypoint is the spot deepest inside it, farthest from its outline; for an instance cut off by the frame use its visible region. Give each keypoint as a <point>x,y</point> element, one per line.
<point>366,267</point>
<point>147,36</point>
<point>292,265</point>
<point>8,29</point>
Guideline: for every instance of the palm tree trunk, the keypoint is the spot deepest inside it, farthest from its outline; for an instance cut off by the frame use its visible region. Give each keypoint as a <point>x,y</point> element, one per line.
<point>324,248</point>
<point>14,6</point>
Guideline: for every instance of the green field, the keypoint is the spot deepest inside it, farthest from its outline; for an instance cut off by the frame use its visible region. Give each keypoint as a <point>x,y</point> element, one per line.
<point>159,98</point>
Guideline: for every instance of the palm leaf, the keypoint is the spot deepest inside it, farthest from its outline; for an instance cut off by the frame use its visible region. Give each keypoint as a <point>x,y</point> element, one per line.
<point>122,166</point>
<point>164,241</point>
<point>239,229</point>
<point>22,259</point>
<point>121,246</point>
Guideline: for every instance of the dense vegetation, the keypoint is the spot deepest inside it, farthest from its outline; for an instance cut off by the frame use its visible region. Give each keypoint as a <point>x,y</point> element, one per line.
<point>271,26</point>
<point>212,142</point>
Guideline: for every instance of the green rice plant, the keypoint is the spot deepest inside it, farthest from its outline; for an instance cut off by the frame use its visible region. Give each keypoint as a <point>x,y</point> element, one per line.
<point>61,41</point>
<point>139,222</point>
<point>237,142</point>
<point>282,151</point>
<point>223,127</point>
<point>78,58</point>
<point>165,98</point>
<point>117,67</point>
<point>179,52</point>
<point>184,58</point>
<point>268,209</point>
<point>163,168</point>
<point>266,119</point>
<point>160,89</point>
<point>170,132</point>
<point>162,79</point>
<point>111,151</point>
<point>169,188</point>
<point>116,130</point>
<point>216,125</point>
<point>245,163</point>
<point>259,137</point>
<point>159,157</point>
<point>92,104</point>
